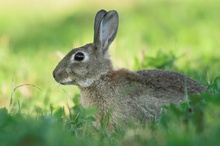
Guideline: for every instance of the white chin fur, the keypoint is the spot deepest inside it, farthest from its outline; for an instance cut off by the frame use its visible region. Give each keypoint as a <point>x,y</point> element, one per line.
<point>86,83</point>
<point>66,80</point>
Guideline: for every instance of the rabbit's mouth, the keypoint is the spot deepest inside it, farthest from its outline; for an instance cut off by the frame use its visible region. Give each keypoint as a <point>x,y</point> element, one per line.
<point>67,81</point>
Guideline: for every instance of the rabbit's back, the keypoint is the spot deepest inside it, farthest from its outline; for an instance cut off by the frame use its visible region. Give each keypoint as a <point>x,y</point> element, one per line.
<point>170,80</point>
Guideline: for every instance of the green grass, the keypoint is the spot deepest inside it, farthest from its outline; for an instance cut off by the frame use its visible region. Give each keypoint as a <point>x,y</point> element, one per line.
<point>175,35</point>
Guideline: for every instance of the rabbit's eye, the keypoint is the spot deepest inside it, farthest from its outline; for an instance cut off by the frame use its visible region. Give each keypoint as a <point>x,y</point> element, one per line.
<point>79,56</point>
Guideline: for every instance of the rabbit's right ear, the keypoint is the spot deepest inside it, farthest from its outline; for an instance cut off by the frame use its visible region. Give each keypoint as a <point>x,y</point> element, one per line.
<point>105,30</point>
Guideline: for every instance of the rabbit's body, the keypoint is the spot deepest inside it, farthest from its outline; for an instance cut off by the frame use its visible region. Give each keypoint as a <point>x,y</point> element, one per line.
<point>138,95</point>
<point>122,94</point>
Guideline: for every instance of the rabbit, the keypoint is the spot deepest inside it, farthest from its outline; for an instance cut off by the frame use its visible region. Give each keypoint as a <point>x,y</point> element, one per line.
<point>121,94</point>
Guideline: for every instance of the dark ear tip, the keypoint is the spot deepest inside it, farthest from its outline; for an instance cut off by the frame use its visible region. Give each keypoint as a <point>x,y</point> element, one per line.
<point>114,12</point>
<point>103,12</point>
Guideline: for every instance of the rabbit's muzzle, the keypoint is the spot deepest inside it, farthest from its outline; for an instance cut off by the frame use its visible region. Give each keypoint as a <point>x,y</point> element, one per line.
<point>62,77</point>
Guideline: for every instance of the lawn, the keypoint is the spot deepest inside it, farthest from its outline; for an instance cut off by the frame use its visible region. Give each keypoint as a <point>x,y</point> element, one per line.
<point>169,34</point>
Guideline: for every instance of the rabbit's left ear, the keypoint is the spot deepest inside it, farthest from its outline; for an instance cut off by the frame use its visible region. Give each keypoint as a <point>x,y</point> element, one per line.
<point>98,18</point>
<point>107,31</point>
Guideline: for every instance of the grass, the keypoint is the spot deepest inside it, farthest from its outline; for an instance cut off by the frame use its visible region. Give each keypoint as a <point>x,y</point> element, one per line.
<point>174,35</point>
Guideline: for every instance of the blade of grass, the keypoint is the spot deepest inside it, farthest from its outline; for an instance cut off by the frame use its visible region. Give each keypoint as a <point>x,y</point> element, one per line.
<point>15,88</point>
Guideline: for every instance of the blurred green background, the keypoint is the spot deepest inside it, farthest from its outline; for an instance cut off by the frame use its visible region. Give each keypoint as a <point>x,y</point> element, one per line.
<point>35,35</point>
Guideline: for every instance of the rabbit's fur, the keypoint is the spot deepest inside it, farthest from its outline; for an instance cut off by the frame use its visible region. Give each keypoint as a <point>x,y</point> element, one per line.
<point>122,93</point>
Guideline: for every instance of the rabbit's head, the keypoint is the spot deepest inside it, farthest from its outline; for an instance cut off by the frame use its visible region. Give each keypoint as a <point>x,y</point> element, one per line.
<point>84,65</point>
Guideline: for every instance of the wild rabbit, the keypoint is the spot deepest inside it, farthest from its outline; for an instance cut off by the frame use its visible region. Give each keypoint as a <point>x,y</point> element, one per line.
<point>124,94</point>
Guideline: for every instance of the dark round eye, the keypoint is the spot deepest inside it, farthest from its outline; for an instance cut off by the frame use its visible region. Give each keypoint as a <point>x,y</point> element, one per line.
<point>79,56</point>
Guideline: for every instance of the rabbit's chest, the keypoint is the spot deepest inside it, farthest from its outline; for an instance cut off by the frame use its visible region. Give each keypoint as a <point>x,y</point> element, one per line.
<point>102,99</point>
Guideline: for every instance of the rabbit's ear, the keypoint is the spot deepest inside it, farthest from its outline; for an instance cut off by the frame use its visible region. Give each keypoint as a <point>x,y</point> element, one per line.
<point>98,18</point>
<point>107,31</point>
